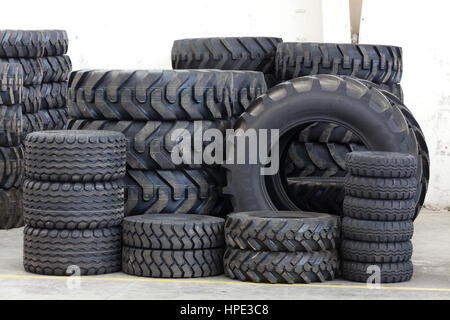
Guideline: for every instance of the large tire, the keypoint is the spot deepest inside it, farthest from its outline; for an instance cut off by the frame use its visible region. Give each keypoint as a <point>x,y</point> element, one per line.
<point>323,98</point>
<point>173,232</point>
<point>11,167</point>
<point>51,252</point>
<point>150,143</point>
<point>11,208</point>
<point>162,95</point>
<point>377,231</point>
<point>21,44</point>
<point>54,205</point>
<point>54,95</point>
<point>376,63</point>
<point>172,263</point>
<point>380,188</point>
<point>32,69</point>
<point>175,191</point>
<point>75,156</point>
<point>281,267</point>
<point>31,122</point>
<point>10,125</point>
<point>54,119</point>
<point>376,252</point>
<point>31,99</point>
<point>282,231</point>
<point>390,272</point>
<point>56,69</point>
<point>56,42</point>
<point>379,210</point>
<point>11,83</point>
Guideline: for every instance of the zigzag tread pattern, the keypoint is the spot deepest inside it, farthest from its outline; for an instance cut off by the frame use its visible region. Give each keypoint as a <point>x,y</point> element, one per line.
<point>32,69</point>
<point>54,95</point>
<point>392,252</point>
<point>390,272</point>
<point>11,208</point>
<point>11,167</point>
<point>377,231</point>
<point>379,210</point>
<point>31,99</point>
<point>10,125</point>
<point>54,119</point>
<point>56,42</point>
<point>56,68</point>
<point>21,44</point>
<point>11,83</point>
<point>380,188</point>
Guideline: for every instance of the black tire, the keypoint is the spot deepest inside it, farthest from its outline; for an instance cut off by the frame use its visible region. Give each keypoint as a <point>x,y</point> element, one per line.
<point>376,63</point>
<point>379,210</point>
<point>31,122</point>
<point>32,69</point>
<point>394,89</point>
<point>291,105</point>
<point>10,125</point>
<point>377,231</point>
<point>75,156</point>
<point>150,143</point>
<point>56,42</point>
<point>21,44</point>
<point>380,188</point>
<point>51,252</point>
<point>162,95</point>
<point>326,132</point>
<point>376,252</point>
<point>11,83</point>
<point>175,191</point>
<point>56,69</point>
<point>11,208</point>
<point>246,53</point>
<point>31,99</point>
<point>390,272</point>
<point>281,267</point>
<point>54,119</point>
<point>11,167</point>
<point>282,231</point>
<point>54,205</point>
<point>173,232</point>
<point>172,263</point>
<point>54,95</point>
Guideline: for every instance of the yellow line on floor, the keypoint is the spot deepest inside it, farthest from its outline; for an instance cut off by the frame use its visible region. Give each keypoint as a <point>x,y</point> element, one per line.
<point>225,282</point>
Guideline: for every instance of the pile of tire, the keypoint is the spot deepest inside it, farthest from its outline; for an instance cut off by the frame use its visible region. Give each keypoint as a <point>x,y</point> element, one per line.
<point>281,247</point>
<point>73,202</point>
<point>149,108</point>
<point>173,245</point>
<point>377,226</point>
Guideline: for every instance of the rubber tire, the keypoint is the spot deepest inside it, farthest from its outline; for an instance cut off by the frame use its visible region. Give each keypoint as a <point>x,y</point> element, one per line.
<point>175,191</point>
<point>173,232</point>
<point>56,42</point>
<point>162,95</point>
<point>51,252</point>
<point>281,267</point>
<point>379,210</point>
<point>32,69</point>
<point>31,122</point>
<point>56,69</point>
<point>172,263</point>
<point>393,88</point>
<point>390,272</point>
<point>282,231</point>
<point>11,83</point>
<point>21,44</point>
<point>75,156</point>
<point>377,231</point>
<point>380,188</point>
<point>54,119</point>
<point>10,125</point>
<point>11,208</point>
<point>91,205</point>
<point>11,167</point>
<point>31,99</point>
<point>54,95</point>
<point>150,144</point>
<point>376,63</point>
<point>375,252</point>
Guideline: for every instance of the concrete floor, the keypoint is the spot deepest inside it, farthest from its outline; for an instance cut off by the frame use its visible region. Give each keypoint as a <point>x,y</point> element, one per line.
<point>431,278</point>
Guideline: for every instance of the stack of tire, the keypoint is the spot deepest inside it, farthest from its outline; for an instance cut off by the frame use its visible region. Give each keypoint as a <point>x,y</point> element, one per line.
<point>378,210</point>
<point>11,150</point>
<point>173,245</point>
<point>150,108</point>
<point>281,246</point>
<point>73,202</point>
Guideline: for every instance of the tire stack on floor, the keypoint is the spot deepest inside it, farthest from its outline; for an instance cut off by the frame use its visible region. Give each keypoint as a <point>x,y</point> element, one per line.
<point>11,150</point>
<point>378,210</point>
<point>173,245</point>
<point>73,202</point>
<point>281,246</point>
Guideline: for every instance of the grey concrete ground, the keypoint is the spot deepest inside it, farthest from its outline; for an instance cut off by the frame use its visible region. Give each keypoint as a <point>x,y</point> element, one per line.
<point>431,277</point>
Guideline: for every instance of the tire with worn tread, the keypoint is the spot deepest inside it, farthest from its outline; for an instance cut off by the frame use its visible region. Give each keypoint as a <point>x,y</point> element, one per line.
<point>376,252</point>
<point>11,167</point>
<point>377,231</point>
<point>21,44</point>
<point>379,210</point>
<point>56,69</point>
<point>390,272</point>
<point>56,42</point>
<point>11,208</point>
<point>380,188</point>
<point>54,95</point>
<point>11,128</point>
<point>32,69</point>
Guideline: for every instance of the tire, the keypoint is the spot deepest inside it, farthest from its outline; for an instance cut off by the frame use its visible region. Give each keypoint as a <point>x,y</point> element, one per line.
<point>380,188</point>
<point>31,122</point>
<point>91,205</point>
<point>282,231</point>
<point>379,210</point>
<point>377,231</point>
<point>172,263</point>
<point>75,156</point>
<point>31,99</point>
<point>326,132</point>
<point>173,232</point>
<point>56,42</point>
<point>11,209</point>
<point>381,164</point>
<point>291,105</point>
<point>56,69</point>
<point>11,83</point>
<point>21,44</point>
<point>379,64</point>
<point>54,119</point>
<point>10,125</point>
<point>150,143</point>
<point>281,267</point>
<point>390,272</point>
<point>175,191</point>
<point>162,95</point>
<point>11,167</point>
<point>246,53</point>
<point>375,252</point>
<point>54,95</point>
<point>51,252</point>
<point>394,89</point>
<point>32,69</point>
